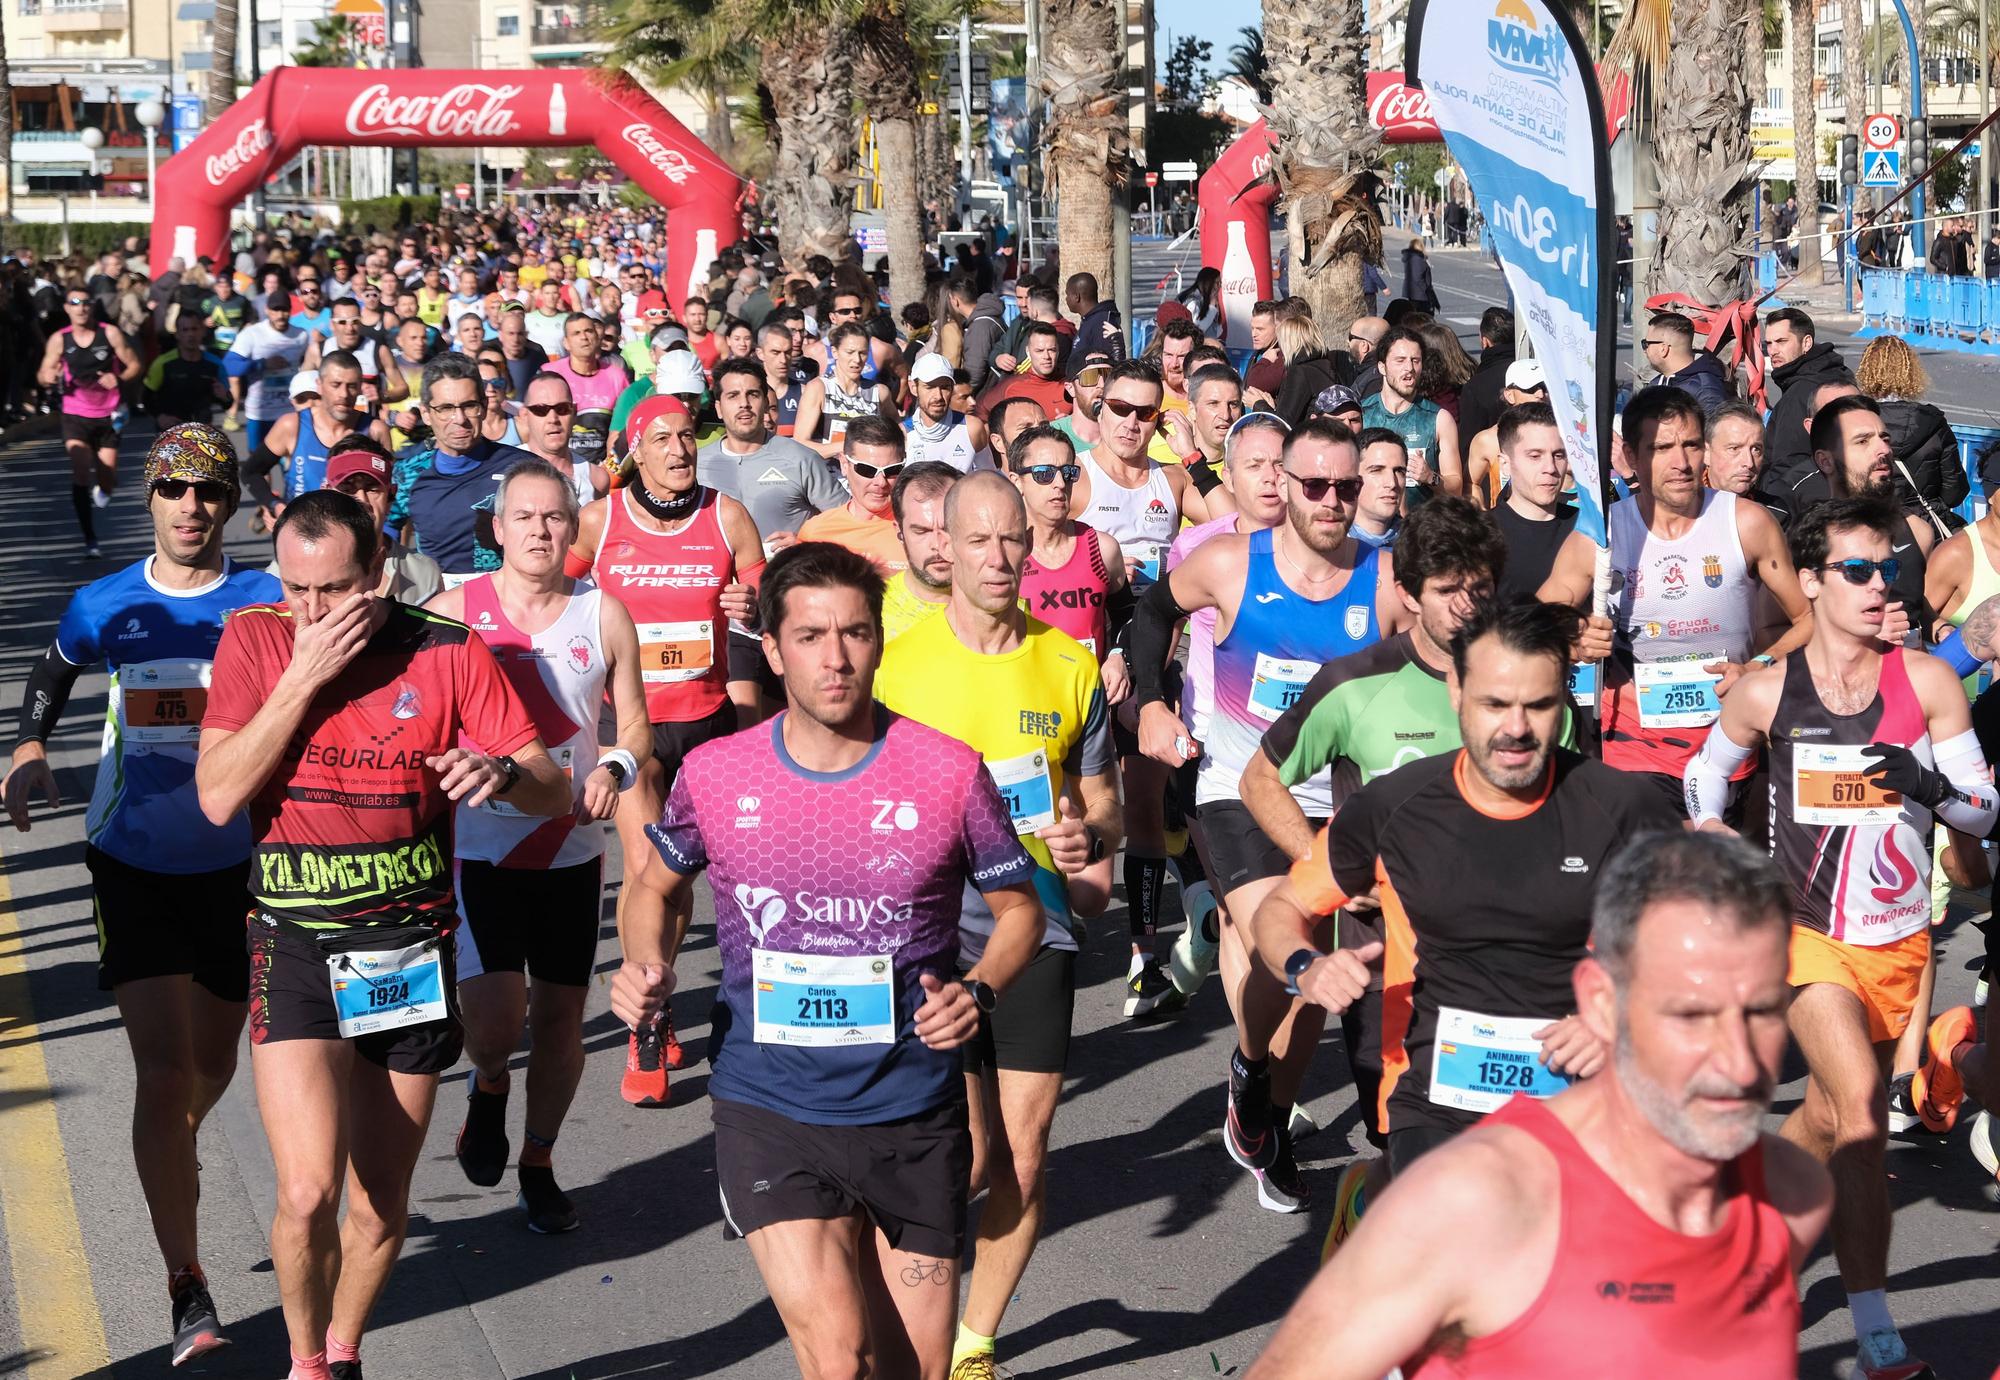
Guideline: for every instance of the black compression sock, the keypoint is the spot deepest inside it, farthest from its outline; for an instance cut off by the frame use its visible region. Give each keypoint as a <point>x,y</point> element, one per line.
<point>1144,880</point>
<point>79,499</point>
<point>1243,1066</point>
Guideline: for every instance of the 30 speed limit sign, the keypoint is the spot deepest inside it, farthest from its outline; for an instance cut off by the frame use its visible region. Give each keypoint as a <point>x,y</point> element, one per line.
<point>1881,132</point>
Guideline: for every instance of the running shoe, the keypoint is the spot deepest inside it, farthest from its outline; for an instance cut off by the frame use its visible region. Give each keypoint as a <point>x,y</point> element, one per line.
<point>99,498</point>
<point>345,1370</point>
<point>197,1331</point>
<point>231,421</point>
<point>978,1365</point>
<point>1884,1357</point>
<point>1300,1125</point>
<point>1247,1133</point>
<point>1151,990</point>
<point>1280,1187</point>
<point>670,1040</point>
<point>1936,1088</point>
<point>1193,956</point>
<point>1980,987</point>
<point>93,552</point>
<point>1350,1200</point>
<point>1903,1118</point>
<point>1984,1147</point>
<point>645,1081</point>
<point>482,1139</point>
<point>549,1210</point>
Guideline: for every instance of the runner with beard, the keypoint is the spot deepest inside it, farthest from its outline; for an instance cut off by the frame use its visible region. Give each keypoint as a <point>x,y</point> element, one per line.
<point>923,587</point>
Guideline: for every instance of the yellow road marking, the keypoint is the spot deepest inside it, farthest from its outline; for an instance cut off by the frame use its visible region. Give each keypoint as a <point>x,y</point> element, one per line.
<point>62,1333</point>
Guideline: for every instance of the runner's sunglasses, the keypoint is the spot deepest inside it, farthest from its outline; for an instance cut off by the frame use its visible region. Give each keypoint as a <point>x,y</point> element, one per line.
<point>1856,571</point>
<point>1047,474</point>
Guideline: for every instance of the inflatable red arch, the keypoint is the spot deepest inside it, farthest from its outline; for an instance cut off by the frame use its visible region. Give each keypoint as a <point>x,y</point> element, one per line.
<point>422,107</point>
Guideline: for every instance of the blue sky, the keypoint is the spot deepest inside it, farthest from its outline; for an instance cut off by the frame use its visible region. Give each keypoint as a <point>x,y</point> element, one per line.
<point>1204,19</point>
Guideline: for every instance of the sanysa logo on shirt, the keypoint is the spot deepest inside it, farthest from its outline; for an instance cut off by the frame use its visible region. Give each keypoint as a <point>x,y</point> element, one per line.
<point>762,908</point>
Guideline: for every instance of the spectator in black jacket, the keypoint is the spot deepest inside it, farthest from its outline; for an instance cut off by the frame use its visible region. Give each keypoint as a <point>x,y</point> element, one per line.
<point>1926,447</point>
<point>1417,285</point>
<point>1479,403</point>
<point>1669,345</point>
<point>1799,364</point>
<point>1310,365</point>
<point>1097,323</point>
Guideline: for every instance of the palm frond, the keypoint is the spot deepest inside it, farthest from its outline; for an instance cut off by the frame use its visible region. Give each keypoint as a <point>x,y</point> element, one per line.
<point>1642,42</point>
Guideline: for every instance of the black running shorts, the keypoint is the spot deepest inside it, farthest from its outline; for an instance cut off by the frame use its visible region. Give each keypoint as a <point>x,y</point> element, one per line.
<point>1241,852</point>
<point>541,921</point>
<point>1028,1031</point>
<point>95,432</point>
<point>291,995</point>
<point>162,924</point>
<point>672,742</point>
<point>747,662</point>
<point>1361,1036</point>
<point>908,1176</point>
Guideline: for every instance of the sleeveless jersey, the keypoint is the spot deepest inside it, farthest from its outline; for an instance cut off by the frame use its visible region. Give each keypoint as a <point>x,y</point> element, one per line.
<point>1627,1296</point>
<point>1277,643</point>
<point>81,366</point>
<point>1071,596</point>
<point>788,409</point>
<point>1417,425</point>
<point>1985,584</point>
<point>841,407</point>
<point>305,468</point>
<point>1675,606</point>
<point>1142,521</point>
<point>558,674</point>
<point>1198,683</point>
<point>1860,875</point>
<point>947,441</point>
<point>672,583</point>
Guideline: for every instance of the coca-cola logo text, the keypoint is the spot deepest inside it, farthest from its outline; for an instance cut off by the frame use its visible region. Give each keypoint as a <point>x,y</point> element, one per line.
<point>469,110</point>
<point>253,139</point>
<point>669,163</point>
<point>1402,109</point>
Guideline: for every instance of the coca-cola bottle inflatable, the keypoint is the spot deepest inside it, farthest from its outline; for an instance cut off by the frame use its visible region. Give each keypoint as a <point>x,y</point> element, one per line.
<point>1239,284</point>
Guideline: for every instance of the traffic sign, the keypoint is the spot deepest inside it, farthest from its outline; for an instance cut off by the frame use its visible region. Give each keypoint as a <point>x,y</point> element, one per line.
<point>1179,172</point>
<point>1152,179</point>
<point>1881,131</point>
<point>1882,168</point>
<point>463,191</point>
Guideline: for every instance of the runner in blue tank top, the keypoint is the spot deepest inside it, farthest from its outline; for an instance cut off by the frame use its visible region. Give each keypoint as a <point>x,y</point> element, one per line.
<point>1286,599</point>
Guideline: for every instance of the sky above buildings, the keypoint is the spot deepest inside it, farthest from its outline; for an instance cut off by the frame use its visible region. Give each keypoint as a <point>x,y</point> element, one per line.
<point>1204,19</point>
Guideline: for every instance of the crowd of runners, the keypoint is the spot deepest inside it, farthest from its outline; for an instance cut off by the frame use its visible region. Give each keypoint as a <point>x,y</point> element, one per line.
<point>931,638</point>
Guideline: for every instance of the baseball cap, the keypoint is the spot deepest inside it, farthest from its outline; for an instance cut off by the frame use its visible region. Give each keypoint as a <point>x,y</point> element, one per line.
<point>305,382</point>
<point>667,336</point>
<point>1096,359</point>
<point>679,374</point>
<point>193,451</point>
<point>345,464</point>
<point>1526,375</point>
<point>654,303</point>
<point>933,368</point>
<point>1335,397</point>
<point>1171,311</point>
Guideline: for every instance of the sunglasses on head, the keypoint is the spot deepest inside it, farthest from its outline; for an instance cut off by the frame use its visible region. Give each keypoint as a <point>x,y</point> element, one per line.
<point>1145,412</point>
<point>560,409</point>
<point>867,471</point>
<point>1857,571</point>
<point>1346,490</point>
<point>1047,474</point>
<point>207,490</point>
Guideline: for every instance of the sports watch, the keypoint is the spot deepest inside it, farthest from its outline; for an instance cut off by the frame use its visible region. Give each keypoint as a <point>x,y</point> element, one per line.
<point>983,995</point>
<point>1296,965</point>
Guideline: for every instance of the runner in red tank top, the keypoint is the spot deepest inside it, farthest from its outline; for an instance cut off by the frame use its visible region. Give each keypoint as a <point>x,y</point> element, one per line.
<point>682,559</point>
<point>1072,573</point>
<point>1638,1223</point>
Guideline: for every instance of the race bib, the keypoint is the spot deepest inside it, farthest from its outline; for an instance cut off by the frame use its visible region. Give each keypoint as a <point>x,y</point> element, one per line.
<point>453,580</point>
<point>1676,694</point>
<point>161,703</point>
<point>1144,559</point>
<point>1583,683</point>
<point>670,652</point>
<point>1829,788</point>
<point>1479,1061</point>
<point>1276,684</point>
<point>386,989</point>
<point>823,1001</point>
<point>1028,791</point>
<point>1089,645</point>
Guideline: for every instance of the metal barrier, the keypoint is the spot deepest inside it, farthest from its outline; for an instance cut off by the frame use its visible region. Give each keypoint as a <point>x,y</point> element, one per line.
<point>1931,308</point>
<point>1971,441</point>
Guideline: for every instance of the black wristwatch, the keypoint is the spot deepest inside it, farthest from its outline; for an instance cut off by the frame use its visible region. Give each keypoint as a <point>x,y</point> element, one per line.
<point>983,995</point>
<point>513,771</point>
<point>617,770</point>
<point>1096,853</point>
<point>1296,965</point>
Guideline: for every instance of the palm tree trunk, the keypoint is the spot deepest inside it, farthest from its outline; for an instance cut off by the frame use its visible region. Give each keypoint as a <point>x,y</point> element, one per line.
<point>809,73</point>
<point>1703,153</point>
<point>718,131</point>
<point>6,134</point>
<point>1805,138</point>
<point>222,62</point>
<point>1085,141</point>
<point>1319,116</point>
<point>1853,68</point>
<point>887,72</point>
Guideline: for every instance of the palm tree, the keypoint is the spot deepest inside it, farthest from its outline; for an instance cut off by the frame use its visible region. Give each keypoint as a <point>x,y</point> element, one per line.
<point>1805,137</point>
<point>887,70</point>
<point>222,62</point>
<point>1702,153</point>
<point>1085,141</point>
<point>1853,68</point>
<point>1318,116</point>
<point>1248,64</point>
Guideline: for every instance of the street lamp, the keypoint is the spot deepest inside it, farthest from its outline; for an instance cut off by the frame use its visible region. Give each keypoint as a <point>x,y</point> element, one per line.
<point>151,115</point>
<point>92,140</point>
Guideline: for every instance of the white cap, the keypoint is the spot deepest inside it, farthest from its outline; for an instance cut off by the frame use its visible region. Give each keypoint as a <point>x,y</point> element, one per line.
<point>932,368</point>
<point>305,381</point>
<point>1525,374</point>
<point>679,373</point>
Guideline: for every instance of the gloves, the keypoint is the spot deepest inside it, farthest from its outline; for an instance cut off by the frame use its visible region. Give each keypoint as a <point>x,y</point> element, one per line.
<point>1897,769</point>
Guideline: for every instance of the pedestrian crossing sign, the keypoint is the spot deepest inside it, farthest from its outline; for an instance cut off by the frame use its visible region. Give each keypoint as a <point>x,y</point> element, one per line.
<point>1882,168</point>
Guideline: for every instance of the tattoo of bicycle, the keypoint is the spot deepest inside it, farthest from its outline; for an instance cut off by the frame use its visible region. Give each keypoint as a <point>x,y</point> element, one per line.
<point>937,1272</point>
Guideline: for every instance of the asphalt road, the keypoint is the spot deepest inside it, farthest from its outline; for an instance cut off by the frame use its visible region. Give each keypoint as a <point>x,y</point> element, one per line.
<point>1157,1260</point>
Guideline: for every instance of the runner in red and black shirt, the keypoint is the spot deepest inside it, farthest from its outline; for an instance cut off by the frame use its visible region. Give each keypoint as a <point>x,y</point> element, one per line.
<point>336,719</point>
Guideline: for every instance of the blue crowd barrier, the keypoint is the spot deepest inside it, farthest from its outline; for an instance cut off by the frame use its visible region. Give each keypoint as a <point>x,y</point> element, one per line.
<point>1934,308</point>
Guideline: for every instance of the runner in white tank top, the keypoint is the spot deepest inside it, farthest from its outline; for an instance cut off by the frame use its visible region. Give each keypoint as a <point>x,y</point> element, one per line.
<point>1143,521</point>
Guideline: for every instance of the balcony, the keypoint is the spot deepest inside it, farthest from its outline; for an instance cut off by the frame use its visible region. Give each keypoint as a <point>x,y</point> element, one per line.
<point>84,16</point>
<point>568,28</point>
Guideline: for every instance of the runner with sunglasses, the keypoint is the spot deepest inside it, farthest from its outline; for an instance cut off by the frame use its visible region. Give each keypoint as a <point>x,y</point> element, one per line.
<point>1869,744</point>
<point>681,557</point>
<point>1138,503</point>
<point>871,456</point>
<point>546,418</point>
<point>170,890</point>
<point>1286,600</point>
